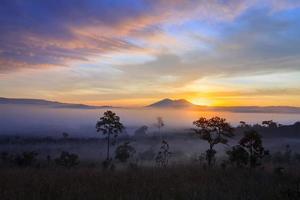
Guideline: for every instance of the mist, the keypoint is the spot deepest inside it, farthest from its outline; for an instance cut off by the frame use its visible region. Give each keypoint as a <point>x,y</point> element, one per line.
<point>34,120</point>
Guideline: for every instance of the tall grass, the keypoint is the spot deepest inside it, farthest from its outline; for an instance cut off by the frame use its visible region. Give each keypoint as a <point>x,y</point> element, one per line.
<point>176,182</point>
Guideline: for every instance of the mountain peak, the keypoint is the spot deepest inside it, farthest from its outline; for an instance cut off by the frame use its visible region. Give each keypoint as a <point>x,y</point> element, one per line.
<point>171,103</point>
<point>166,100</point>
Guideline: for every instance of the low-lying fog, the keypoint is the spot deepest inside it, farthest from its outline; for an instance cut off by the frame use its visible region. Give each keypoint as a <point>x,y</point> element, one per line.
<point>41,121</point>
<point>44,121</point>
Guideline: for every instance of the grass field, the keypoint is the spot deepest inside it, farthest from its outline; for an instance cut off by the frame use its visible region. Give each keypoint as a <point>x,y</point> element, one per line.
<point>177,182</point>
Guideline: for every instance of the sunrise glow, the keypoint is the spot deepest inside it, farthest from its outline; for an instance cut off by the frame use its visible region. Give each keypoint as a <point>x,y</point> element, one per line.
<point>132,53</point>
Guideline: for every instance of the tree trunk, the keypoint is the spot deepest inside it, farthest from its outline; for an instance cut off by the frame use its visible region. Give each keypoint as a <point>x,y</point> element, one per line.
<point>108,144</point>
<point>209,158</point>
<point>251,156</point>
<point>161,138</point>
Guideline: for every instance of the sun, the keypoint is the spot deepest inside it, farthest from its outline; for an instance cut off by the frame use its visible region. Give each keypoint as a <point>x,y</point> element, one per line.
<point>201,101</point>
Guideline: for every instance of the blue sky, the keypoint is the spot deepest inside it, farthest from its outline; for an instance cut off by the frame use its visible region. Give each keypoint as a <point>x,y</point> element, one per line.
<point>130,52</point>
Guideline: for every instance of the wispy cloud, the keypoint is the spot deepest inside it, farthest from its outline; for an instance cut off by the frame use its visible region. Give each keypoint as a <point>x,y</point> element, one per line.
<point>37,34</point>
<point>168,45</point>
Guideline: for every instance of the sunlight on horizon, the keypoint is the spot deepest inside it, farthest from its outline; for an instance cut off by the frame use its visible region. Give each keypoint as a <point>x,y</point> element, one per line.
<point>134,54</point>
<point>201,101</point>
<point>149,99</point>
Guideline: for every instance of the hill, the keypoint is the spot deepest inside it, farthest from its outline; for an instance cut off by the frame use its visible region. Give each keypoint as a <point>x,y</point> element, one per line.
<point>182,103</point>
<point>41,102</point>
<point>167,103</point>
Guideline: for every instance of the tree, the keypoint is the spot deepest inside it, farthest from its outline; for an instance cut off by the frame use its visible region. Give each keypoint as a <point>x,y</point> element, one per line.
<point>270,124</point>
<point>124,152</point>
<point>162,158</point>
<point>67,160</point>
<point>109,125</point>
<point>215,131</point>
<point>26,158</point>
<point>252,143</point>
<point>65,135</point>
<point>238,156</point>
<point>244,125</point>
<point>159,124</point>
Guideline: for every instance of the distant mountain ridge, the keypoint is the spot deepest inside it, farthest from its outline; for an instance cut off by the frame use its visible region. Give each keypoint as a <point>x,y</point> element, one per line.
<point>257,109</point>
<point>172,103</point>
<point>182,103</point>
<point>41,102</point>
<point>165,103</point>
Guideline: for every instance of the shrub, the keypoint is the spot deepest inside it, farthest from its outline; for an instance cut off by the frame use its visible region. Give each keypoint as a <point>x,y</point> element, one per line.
<point>238,156</point>
<point>124,151</point>
<point>25,159</point>
<point>162,158</point>
<point>67,160</point>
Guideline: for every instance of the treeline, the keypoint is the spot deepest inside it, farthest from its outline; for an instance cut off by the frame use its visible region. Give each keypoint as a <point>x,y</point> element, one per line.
<point>30,159</point>
<point>270,128</point>
<point>248,152</point>
<point>7,139</point>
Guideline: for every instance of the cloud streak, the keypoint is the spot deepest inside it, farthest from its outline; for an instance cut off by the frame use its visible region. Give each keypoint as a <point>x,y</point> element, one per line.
<point>38,34</point>
<point>136,48</point>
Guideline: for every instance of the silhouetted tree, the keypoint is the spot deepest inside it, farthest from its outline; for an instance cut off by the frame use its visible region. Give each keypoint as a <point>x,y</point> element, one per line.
<point>67,160</point>
<point>109,125</point>
<point>124,151</point>
<point>159,124</point>
<point>215,131</point>
<point>252,143</point>
<point>65,135</point>
<point>269,124</point>
<point>162,157</point>
<point>238,156</point>
<point>244,125</point>
<point>25,159</point>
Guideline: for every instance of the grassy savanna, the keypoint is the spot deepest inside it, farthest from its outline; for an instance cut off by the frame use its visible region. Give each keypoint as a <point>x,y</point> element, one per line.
<point>245,171</point>
<point>176,182</point>
<point>173,78</point>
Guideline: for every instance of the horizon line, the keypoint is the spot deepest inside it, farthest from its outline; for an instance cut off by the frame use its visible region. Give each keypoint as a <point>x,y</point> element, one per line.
<point>149,105</point>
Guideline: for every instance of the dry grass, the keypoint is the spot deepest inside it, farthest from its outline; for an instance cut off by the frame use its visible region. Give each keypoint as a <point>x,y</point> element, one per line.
<point>178,182</point>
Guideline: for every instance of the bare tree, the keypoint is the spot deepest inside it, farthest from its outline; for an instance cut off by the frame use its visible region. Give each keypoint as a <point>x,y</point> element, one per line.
<point>110,125</point>
<point>162,157</point>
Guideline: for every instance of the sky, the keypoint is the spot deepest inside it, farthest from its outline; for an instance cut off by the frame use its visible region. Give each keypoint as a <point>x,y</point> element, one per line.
<point>135,52</point>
